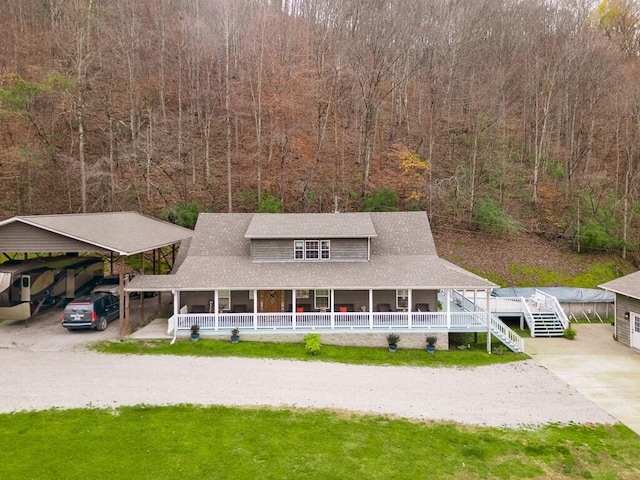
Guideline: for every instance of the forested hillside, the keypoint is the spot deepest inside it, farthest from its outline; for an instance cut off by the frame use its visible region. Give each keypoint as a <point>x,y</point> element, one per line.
<point>488,114</point>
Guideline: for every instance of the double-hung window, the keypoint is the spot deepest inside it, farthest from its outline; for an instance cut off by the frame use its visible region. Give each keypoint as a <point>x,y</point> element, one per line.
<point>321,297</point>
<point>402,299</point>
<point>312,250</point>
<point>224,299</point>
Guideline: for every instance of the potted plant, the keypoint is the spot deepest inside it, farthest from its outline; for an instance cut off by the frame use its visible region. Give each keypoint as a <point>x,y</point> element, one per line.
<point>392,340</point>
<point>195,332</point>
<point>431,343</point>
<point>235,335</point>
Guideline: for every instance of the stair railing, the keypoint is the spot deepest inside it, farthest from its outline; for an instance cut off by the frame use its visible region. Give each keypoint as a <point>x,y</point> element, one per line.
<point>502,331</point>
<point>528,317</point>
<point>552,303</point>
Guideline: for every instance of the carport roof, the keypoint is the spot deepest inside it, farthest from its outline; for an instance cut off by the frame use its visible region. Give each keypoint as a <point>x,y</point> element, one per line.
<point>125,233</point>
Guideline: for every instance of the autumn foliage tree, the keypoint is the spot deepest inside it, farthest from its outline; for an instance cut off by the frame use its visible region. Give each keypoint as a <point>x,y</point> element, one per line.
<point>527,108</point>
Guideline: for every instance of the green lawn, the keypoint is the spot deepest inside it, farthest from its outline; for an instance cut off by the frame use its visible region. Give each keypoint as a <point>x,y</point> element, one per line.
<point>475,356</point>
<point>217,442</point>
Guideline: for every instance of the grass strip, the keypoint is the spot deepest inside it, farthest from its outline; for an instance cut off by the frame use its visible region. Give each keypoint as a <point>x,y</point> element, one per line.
<point>186,441</point>
<point>472,357</point>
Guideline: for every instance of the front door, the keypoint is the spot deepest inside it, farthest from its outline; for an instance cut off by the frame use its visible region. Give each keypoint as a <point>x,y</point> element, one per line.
<point>271,301</point>
<point>635,330</point>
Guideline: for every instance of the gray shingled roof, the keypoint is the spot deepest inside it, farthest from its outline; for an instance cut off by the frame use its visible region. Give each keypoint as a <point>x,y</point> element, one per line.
<point>629,285</point>
<point>303,225</point>
<point>403,256</point>
<point>125,233</point>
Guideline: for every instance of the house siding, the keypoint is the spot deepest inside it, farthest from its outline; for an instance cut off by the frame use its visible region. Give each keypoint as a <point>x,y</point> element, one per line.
<point>623,325</point>
<point>281,250</point>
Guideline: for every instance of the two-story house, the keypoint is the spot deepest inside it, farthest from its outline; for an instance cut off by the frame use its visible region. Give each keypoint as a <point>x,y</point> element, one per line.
<point>322,272</point>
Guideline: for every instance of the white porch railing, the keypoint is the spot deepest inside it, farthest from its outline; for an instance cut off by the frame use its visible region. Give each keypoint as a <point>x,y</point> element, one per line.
<point>336,321</point>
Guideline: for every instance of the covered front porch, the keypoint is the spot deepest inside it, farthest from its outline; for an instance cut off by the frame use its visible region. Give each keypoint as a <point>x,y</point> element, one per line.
<point>327,310</point>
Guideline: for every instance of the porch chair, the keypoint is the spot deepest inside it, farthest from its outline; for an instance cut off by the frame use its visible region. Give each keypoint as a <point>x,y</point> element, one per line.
<point>422,307</point>
<point>240,308</point>
<point>384,307</point>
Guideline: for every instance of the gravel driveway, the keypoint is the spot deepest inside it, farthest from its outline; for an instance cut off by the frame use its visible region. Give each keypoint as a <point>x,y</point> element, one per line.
<point>40,372</point>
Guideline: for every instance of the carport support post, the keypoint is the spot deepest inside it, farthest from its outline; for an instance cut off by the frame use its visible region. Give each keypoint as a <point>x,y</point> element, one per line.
<point>123,315</point>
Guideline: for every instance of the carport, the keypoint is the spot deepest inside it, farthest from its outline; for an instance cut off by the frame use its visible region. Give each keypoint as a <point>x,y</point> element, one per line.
<point>115,235</point>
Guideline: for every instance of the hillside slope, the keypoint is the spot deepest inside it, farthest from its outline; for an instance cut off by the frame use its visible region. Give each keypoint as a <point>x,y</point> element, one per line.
<point>528,260</point>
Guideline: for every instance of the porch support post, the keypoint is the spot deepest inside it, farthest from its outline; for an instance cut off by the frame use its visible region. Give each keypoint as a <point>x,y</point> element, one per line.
<point>124,321</point>
<point>216,318</point>
<point>448,309</point>
<point>255,309</point>
<point>488,293</point>
<point>370,308</point>
<point>294,314</point>
<point>331,309</point>
<point>409,309</point>
<point>176,310</point>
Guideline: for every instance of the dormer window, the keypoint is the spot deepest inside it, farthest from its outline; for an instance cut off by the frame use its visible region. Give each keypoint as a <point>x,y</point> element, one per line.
<point>312,249</point>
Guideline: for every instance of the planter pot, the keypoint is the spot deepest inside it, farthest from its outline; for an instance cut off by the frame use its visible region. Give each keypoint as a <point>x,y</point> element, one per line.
<point>393,348</point>
<point>235,338</point>
<point>299,309</point>
<point>342,309</point>
<point>195,337</point>
<point>431,348</point>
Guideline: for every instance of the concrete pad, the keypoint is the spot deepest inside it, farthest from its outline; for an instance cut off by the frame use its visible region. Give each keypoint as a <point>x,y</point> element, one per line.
<point>156,329</point>
<point>600,368</point>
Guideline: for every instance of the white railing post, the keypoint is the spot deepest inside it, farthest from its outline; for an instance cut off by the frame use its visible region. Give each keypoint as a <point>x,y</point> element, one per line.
<point>448,310</point>
<point>409,309</point>
<point>370,309</point>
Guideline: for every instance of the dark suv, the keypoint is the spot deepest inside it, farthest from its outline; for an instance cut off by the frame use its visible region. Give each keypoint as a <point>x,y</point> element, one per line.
<point>91,311</point>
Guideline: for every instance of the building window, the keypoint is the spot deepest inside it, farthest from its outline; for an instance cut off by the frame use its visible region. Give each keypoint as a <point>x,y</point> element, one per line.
<point>224,299</point>
<point>321,299</point>
<point>325,249</point>
<point>312,249</point>
<point>402,299</point>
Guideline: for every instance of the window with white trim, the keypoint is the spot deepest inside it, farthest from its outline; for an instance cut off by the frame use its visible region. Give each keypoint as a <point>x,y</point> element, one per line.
<point>402,299</point>
<point>321,298</point>
<point>312,249</point>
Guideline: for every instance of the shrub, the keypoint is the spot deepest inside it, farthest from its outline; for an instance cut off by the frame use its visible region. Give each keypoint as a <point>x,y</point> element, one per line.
<point>569,333</point>
<point>312,343</point>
